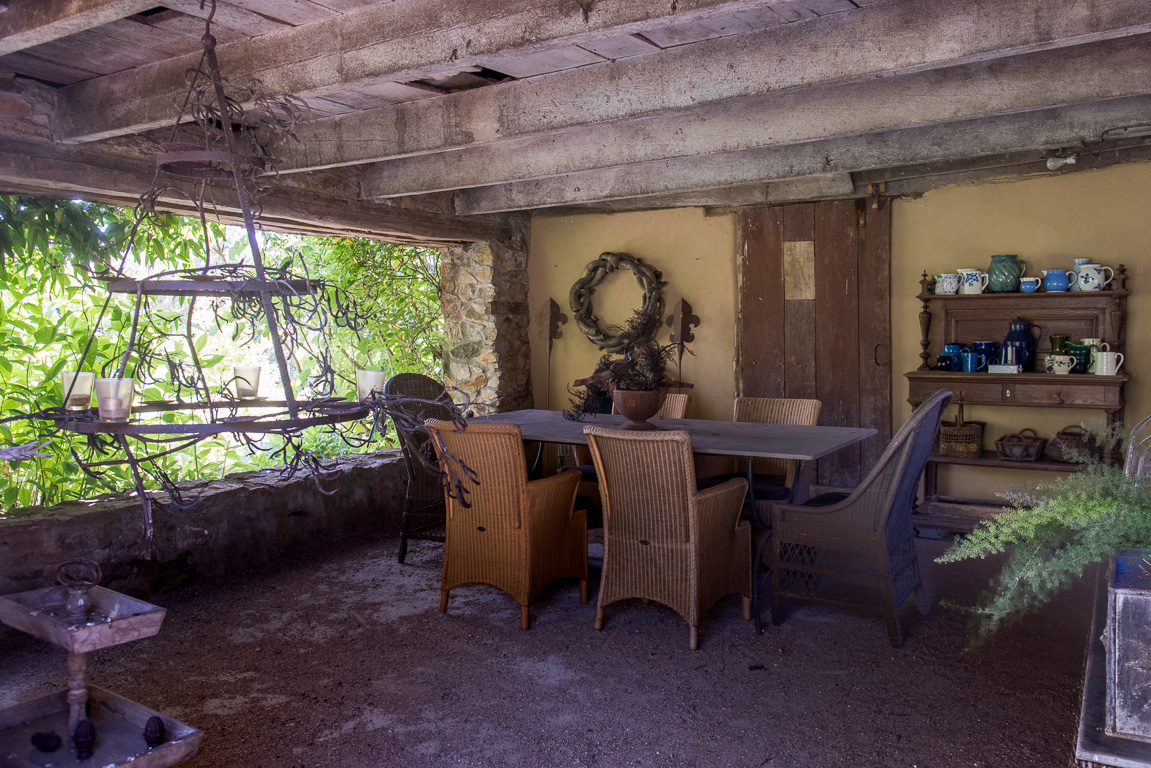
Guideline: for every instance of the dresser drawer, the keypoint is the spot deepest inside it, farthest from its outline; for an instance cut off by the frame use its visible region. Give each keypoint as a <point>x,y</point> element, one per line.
<point>982,393</point>
<point>1086,395</point>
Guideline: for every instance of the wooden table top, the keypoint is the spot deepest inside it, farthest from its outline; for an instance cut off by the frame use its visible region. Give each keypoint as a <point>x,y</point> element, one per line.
<point>720,438</point>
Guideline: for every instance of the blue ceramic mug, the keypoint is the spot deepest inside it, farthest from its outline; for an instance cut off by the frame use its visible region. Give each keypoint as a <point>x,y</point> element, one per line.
<point>986,348</point>
<point>973,361</point>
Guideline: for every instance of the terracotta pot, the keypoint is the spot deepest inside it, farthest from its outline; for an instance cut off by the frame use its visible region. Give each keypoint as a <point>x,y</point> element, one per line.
<point>638,406</point>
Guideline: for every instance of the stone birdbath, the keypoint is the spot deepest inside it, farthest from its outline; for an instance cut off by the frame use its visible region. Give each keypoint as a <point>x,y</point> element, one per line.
<point>98,727</point>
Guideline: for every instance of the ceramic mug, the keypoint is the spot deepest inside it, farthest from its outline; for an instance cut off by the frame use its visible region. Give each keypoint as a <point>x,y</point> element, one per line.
<point>946,285</point>
<point>1058,363</point>
<point>1091,277</point>
<point>952,349</point>
<point>986,348</point>
<point>972,281</point>
<point>1029,284</point>
<point>973,361</point>
<point>948,363</point>
<point>1058,280</point>
<point>1108,363</point>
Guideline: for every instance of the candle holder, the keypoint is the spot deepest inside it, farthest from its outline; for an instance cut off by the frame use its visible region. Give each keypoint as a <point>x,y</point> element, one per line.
<point>77,390</point>
<point>368,382</point>
<point>114,399</point>
<point>247,380</point>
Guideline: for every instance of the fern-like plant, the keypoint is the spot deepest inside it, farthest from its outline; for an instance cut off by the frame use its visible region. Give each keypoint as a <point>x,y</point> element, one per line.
<point>1051,535</point>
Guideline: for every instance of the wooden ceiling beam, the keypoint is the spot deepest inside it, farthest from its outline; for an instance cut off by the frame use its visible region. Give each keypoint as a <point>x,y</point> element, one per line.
<point>885,40</point>
<point>949,141</point>
<point>1112,69</point>
<point>27,23</point>
<point>398,41</point>
<point>52,170</point>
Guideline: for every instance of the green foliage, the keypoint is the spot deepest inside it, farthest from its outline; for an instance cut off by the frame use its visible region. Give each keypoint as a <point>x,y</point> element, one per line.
<point>1051,535</point>
<point>50,301</point>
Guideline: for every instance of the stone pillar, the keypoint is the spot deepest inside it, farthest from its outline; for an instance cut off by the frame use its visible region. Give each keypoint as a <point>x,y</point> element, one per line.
<point>484,297</point>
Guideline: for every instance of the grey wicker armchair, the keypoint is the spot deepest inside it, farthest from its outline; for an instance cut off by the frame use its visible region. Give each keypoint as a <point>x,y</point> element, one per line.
<point>866,537</point>
<point>663,539</point>
<point>516,535</point>
<point>423,516</point>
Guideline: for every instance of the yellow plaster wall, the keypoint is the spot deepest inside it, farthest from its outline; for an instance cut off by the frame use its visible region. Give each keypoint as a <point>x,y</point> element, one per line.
<point>697,255</point>
<point>1104,215</point>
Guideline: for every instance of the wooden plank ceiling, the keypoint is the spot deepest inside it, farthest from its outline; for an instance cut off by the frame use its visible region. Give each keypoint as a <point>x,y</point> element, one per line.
<point>455,110</point>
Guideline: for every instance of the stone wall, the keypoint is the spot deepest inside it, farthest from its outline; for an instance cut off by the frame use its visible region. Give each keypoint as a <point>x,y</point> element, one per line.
<point>484,297</point>
<point>238,523</point>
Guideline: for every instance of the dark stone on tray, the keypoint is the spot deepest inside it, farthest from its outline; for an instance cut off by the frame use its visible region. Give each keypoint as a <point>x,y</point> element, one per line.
<point>46,741</point>
<point>84,738</point>
<point>154,732</point>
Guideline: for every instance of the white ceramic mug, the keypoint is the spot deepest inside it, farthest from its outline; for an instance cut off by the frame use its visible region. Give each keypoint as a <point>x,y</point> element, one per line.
<point>947,284</point>
<point>1058,363</point>
<point>1108,363</point>
<point>972,281</point>
<point>1091,277</point>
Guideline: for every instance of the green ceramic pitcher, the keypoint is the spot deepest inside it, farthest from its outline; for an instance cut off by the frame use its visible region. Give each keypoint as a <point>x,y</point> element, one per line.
<point>1004,273</point>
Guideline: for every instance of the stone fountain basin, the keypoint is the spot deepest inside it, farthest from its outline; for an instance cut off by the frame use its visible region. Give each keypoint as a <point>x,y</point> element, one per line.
<point>119,725</point>
<point>114,618</point>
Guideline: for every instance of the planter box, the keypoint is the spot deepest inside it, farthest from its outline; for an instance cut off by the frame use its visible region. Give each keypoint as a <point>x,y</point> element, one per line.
<point>1128,646</point>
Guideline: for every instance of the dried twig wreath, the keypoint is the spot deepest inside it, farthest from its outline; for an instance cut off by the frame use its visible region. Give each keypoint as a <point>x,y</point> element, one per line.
<point>648,277</point>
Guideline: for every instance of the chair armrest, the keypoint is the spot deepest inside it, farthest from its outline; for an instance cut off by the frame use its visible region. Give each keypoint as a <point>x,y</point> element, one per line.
<point>725,498</point>
<point>557,491</point>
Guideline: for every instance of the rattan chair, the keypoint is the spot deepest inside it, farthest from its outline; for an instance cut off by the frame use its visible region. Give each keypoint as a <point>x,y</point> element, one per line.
<point>517,535</point>
<point>771,479</point>
<point>663,540</point>
<point>424,498</point>
<point>819,549</point>
<point>674,407</point>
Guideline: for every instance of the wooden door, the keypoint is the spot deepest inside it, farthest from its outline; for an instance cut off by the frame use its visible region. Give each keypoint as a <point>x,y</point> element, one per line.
<point>815,318</point>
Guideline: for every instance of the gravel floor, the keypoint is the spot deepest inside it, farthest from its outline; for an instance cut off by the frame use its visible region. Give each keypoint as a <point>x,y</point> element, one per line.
<point>343,660</point>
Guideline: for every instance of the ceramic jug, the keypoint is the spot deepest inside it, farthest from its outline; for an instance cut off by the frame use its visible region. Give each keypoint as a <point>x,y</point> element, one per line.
<point>1077,267</point>
<point>1058,280</point>
<point>1021,333</point>
<point>1004,273</point>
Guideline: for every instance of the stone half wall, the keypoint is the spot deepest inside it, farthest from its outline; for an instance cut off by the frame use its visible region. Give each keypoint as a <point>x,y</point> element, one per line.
<point>484,297</point>
<point>241,522</point>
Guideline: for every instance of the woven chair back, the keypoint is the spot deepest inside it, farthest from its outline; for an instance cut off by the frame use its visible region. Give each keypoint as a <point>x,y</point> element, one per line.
<point>425,388</point>
<point>777,410</point>
<point>893,480</point>
<point>495,453</point>
<point>646,480</point>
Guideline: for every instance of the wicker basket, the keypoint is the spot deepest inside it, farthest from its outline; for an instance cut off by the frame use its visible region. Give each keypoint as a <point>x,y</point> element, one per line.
<point>1026,445</point>
<point>960,439</point>
<point>1072,441</point>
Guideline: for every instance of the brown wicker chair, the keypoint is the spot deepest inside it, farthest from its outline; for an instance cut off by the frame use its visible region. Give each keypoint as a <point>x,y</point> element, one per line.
<point>663,540</point>
<point>674,406</point>
<point>424,498</point>
<point>517,535</point>
<point>866,536</point>
<point>771,479</point>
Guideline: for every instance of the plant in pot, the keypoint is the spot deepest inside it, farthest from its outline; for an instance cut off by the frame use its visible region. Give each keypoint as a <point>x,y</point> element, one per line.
<point>1100,514</point>
<point>636,381</point>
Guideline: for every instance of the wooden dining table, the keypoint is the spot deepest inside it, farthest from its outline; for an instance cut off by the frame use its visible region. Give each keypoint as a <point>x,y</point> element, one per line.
<point>741,439</point>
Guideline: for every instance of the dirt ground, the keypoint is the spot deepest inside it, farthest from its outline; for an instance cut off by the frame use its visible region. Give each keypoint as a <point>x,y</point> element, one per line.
<point>343,661</point>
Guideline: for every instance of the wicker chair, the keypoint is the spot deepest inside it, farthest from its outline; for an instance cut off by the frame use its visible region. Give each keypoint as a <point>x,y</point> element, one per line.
<point>771,479</point>
<point>663,540</point>
<point>674,407</point>
<point>424,498</point>
<point>865,536</point>
<point>517,535</point>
